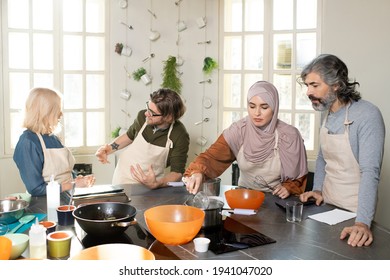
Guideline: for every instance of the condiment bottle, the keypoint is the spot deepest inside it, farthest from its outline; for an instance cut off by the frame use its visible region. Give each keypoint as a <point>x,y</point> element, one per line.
<point>37,241</point>
<point>53,190</point>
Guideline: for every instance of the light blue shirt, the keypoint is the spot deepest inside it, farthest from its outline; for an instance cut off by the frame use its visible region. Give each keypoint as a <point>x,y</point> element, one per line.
<point>367,138</point>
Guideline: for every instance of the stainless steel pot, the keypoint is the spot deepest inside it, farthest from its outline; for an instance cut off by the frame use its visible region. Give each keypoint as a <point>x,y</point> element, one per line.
<point>213,214</point>
<point>212,187</point>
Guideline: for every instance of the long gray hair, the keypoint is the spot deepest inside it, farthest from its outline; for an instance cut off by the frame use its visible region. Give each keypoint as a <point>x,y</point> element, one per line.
<point>333,72</point>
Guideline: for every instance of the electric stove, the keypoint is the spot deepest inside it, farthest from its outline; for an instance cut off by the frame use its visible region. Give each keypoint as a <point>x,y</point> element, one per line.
<point>232,236</point>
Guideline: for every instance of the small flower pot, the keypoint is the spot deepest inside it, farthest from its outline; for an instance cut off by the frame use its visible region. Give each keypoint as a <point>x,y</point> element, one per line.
<point>146,79</point>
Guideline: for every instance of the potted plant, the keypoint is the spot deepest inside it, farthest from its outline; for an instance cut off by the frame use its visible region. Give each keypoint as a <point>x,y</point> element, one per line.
<point>139,74</point>
<point>122,50</point>
<point>209,64</point>
<point>115,132</point>
<point>171,77</point>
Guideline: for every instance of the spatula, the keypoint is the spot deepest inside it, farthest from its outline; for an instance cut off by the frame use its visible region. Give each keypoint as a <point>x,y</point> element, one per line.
<point>23,220</point>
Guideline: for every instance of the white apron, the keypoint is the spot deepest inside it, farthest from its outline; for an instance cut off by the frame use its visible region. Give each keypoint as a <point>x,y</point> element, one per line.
<point>342,172</point>
<point>270,169</point>
<point>58,162</point>
<point>143,153</point>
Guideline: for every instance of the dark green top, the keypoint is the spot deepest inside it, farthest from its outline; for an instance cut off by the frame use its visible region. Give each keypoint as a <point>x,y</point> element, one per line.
<point>177,157</point>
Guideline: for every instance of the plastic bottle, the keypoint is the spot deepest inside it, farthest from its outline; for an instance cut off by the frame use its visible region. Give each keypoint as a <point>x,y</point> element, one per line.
<point>37,241</point>
<point>53,199</point>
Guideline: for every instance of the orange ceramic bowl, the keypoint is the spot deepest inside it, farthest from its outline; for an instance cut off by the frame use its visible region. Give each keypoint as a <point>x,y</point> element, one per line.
<point>244,198</point>
<point>174,224</point>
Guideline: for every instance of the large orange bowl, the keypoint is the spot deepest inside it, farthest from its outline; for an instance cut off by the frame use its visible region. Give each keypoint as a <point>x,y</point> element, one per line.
<point>174,224</point>
<point>244,198</point>
<point>114,251</point>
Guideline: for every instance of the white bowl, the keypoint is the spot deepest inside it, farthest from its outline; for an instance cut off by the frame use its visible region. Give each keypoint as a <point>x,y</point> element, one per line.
<point>19,244</point>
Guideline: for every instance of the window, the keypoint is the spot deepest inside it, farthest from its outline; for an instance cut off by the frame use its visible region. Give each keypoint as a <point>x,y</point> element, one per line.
<point>59,44</point>
<point>269,40</point>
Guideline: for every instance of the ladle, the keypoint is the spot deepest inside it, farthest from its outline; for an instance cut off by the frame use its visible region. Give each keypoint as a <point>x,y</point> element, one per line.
<point>199,200</point>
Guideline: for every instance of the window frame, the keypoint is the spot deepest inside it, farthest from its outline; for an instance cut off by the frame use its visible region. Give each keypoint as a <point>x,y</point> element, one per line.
<point>267,71</point>
<point>58,74</point>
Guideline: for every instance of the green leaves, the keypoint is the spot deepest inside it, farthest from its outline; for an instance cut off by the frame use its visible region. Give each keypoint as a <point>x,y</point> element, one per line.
<point>171,77</point>
<point>209,64</point>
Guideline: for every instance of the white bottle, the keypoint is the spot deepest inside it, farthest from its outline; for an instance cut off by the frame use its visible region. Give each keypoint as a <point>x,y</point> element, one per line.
<point>53,199</point>
<point>37,241</point>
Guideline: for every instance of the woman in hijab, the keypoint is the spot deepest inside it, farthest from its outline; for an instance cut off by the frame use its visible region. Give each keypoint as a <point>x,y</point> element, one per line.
<point>270,153</point>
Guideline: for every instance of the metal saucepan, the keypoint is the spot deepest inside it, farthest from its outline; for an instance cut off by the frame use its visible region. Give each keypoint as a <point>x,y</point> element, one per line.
<point>213,213</point>
<point>105,218</point>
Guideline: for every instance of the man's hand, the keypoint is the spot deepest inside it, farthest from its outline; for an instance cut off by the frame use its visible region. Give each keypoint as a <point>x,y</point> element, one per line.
<point>359,234</point>
<point>102,153</point>
<point>148,179</point>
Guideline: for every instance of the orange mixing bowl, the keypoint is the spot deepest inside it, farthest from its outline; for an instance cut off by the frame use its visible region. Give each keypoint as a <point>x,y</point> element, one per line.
<point>174,224</point>
<point>244,198</point>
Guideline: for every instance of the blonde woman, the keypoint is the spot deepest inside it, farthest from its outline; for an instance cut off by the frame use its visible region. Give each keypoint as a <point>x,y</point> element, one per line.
<point>39,153</point>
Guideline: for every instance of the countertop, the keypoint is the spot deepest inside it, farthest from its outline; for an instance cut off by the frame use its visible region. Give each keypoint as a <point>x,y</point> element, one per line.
<point>307,240</point>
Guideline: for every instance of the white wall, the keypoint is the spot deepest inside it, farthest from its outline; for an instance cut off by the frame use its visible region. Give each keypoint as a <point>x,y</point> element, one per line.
<point>355,30</point>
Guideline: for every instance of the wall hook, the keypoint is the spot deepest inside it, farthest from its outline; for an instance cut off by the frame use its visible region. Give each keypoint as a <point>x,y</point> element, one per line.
<point>205,81</point>
<point>127,72</point>
<point>148,58</point>
<point>153,14</point>
<point>205,42</point>
<point>178,2</point>
<point>128,26</point>
<point>204,120</point>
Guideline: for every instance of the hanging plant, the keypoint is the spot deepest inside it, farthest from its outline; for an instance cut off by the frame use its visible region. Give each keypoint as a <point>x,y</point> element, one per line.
<point>122,50</point>
<point>140,74</point>
<point>115,132</point>
<point>209,65</point>
<point>119,48</point>
<point>171,77</point>
<point>137,74</point>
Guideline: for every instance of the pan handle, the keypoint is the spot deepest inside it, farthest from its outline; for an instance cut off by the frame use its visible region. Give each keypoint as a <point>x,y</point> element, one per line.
<point>124,224</point>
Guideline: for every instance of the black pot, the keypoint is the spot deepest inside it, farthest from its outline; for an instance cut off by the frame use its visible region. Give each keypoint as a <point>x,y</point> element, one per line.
<point>213,213</point>
<point>105,218</point>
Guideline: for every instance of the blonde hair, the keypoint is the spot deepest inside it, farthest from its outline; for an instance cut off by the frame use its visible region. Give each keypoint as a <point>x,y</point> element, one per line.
<point>42,110</point>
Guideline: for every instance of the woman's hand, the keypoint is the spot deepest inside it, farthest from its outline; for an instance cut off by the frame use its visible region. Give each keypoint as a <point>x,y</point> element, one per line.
<point>84,181</point>
<point>193,182</point>
<point>281,192</point>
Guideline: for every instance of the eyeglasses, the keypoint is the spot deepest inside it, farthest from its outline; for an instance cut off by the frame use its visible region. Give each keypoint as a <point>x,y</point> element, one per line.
<point>153,114</point>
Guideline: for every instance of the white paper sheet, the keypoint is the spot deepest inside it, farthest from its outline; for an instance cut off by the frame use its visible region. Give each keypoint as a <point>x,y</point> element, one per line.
<point>175,184</point>
<point>333,217</point>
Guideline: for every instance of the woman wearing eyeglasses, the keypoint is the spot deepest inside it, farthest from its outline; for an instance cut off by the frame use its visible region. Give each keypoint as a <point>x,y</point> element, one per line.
<point>156,140</point>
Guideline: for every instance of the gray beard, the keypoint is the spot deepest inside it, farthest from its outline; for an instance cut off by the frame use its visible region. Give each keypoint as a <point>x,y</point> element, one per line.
<point>326,102</point>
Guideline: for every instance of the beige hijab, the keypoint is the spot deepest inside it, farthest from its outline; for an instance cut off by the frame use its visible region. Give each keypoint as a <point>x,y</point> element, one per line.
<point>258,142</point>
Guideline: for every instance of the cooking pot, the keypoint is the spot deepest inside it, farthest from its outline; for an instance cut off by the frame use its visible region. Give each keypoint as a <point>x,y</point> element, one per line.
<point>105,218</point>
<point>212,187</point>
<point>12,210</point>
<point>213,214</point>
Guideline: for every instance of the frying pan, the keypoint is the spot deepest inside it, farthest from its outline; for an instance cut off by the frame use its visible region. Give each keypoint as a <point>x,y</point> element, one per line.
<point>105,218</point>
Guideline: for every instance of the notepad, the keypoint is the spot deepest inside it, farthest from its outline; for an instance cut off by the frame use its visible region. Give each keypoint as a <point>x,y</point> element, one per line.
<point>333,217</point>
